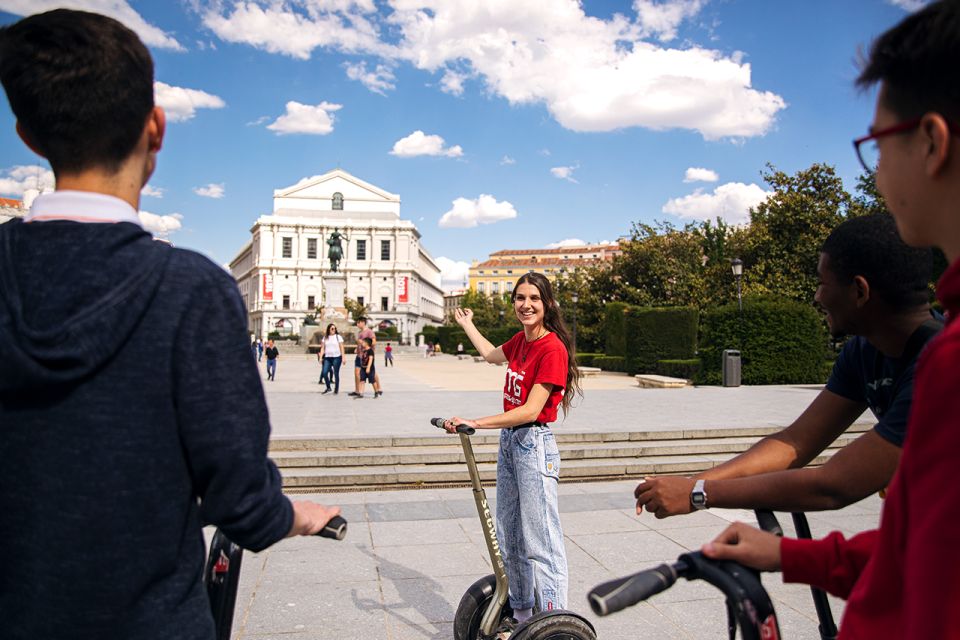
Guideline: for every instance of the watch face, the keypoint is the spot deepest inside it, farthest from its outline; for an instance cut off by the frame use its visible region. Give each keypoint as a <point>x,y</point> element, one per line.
<point>697,498</point>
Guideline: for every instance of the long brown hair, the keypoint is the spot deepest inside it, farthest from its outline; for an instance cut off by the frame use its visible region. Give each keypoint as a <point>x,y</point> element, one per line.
<point>330,326</point>
<point>553,321</point>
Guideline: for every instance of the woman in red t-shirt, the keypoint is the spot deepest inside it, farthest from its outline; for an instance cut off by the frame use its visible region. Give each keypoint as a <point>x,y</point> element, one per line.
<point>541,376</point>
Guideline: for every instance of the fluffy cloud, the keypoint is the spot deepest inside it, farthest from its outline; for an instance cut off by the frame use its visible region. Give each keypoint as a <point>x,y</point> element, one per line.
<point>158,225</point>
<point>151,191</point>
<point>119,10</point>
<point>569,242</point>
<point>453,273</point>
<point>731,202</point>
<point>305,118</point>
<point>613,76</point>
<point>211,190</point>
<point>470,213</point>
<point>564,173</point>
<point>15,180</point>
<point>697,174</point>
<point>380,80</point>
<point>181,104</point>
<point>507,160</point>
<point>420,144</point>
<point>909,5</point>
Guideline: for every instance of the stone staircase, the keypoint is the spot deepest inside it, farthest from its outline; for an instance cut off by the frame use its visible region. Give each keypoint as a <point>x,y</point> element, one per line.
<point>328,464</point>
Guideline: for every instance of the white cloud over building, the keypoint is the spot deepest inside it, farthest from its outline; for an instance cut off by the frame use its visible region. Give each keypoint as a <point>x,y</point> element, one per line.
<point>420,144</point>
<point>306,119</point>
<point>467,213</point>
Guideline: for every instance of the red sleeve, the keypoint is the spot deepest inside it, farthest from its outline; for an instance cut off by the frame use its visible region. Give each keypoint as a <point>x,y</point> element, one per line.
<point>833,563</point>
<point>510,346</point>
<point>552,368</point>
<point>931,495</point>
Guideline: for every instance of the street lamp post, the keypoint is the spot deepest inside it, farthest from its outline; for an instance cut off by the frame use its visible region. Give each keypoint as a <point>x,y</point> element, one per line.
<point>575,299</point>
<point>736,266</point>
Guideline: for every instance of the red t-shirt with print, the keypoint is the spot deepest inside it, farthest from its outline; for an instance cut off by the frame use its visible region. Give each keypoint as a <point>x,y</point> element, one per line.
<point>542,361</point>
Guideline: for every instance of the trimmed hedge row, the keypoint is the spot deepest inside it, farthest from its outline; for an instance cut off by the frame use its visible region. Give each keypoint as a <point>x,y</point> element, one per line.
<point>645,335</point>
<point>780,342</point>
<point>687,369</point>
<point>587,359</point>
<point>611,363</point>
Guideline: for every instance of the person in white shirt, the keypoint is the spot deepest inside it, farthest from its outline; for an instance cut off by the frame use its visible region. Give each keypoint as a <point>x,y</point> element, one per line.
<point>331,356</point>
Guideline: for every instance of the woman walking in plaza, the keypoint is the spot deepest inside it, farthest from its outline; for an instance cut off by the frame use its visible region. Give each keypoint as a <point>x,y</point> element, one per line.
<point>331,356</point>
<point>542,376</point>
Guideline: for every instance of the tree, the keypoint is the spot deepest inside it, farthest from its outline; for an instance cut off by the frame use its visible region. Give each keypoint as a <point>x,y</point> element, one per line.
<point>354,308</point>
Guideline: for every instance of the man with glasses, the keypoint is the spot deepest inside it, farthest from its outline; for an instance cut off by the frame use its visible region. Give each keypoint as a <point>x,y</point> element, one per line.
<point>903,579</point>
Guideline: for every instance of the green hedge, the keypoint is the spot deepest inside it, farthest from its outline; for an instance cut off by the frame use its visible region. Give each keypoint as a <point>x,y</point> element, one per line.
<point>686,369</point>
<point>611,363</point>
<point>615,328</point>
<point>587,359</point>
<point>780,342</point>
<point>659,333</point>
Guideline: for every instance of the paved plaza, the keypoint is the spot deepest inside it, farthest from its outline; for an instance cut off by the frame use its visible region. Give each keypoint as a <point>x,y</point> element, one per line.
<point>409,555</point>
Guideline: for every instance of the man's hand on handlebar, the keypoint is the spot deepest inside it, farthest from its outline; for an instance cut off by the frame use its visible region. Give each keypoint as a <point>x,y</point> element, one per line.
<point>747,545</point>
<point>310,517</point>
<point>663,497</point>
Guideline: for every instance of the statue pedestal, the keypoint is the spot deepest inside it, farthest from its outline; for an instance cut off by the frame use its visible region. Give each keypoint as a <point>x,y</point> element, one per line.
<point>334,290</point>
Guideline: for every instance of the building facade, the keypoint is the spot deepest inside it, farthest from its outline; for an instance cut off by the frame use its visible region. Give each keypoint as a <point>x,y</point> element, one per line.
<point>498,273</point>
<point>10,209</point>
<point>281,272</point>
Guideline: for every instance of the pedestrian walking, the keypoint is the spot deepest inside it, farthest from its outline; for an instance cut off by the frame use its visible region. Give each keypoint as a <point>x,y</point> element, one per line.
<point>541,377</point>
<point>363,333</point>
<point>427,349</point>
<point>368,369</point>
<point>388,356</point>
<point>259,349</point>
<point>459,350</point>
<point>272,354</point>
<point>331,357</point>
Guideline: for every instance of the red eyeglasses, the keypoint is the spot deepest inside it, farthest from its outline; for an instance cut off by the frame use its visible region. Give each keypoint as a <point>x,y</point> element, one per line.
<point>869,156</point>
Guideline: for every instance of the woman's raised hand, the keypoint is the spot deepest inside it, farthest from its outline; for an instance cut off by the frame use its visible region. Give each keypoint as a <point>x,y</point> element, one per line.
<point>463,316</point>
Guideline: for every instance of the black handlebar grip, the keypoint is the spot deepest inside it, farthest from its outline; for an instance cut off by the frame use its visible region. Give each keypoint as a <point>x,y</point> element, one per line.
<point>768,522</point>
<point>616,595</point>
<point>461,428</point>
<point>336,529</point>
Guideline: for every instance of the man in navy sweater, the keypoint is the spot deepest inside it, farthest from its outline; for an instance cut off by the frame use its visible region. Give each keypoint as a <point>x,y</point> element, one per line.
<point>131,412</point>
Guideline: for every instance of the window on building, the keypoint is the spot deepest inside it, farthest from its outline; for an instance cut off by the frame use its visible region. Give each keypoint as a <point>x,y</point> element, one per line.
<point>509,287</point>
<point>286,302</point>
<point>384,303</point>
<point>480,288</point>
<point>311,248</point>
<point>509,272</point>
<point>495,287</point>
<point>287,247</point>
<point>310,302</point>
<point>384,249</point>
<point>361,249</point>
<point>360,300</point>
<point>338,201</point>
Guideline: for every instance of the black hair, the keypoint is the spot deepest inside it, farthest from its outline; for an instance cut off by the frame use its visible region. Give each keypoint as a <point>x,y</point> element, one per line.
<point>80,85</point>
<point>553,321</point>
<point>916,61</point>
<point>869,246</point>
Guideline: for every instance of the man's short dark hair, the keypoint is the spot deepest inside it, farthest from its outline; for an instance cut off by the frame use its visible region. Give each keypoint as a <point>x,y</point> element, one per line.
<point>917,63</point>
<point>80,85</point>
<point>869,246</point>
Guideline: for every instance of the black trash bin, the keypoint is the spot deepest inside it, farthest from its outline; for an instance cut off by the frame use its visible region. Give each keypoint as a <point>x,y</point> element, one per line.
<point>731,368</point>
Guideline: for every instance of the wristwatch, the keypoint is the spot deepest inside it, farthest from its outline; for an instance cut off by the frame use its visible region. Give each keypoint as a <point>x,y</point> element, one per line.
<point>698,497</point>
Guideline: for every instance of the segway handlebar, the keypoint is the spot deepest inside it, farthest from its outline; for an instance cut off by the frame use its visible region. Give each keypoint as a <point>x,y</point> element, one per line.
<point>336,529</point>
<point>440,423</point>
<point>619,594</point>
<point>768,522</point>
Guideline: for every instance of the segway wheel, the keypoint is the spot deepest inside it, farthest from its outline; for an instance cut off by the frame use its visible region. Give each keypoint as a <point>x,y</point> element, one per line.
<point>556,627</point>
<point>466,623</point>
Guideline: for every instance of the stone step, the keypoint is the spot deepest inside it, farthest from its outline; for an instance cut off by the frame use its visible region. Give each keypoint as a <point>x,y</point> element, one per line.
<point>487,453</point>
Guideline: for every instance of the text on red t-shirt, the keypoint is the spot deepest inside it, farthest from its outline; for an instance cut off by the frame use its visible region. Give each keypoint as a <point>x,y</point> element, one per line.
<point>542,361</point>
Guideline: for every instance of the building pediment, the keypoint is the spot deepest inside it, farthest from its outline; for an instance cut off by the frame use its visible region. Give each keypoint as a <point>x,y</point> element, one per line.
<point>323,187</point>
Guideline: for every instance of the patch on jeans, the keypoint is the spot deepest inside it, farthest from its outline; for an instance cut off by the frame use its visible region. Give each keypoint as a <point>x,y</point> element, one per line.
<point>549,600</point>
<point>551,465</point>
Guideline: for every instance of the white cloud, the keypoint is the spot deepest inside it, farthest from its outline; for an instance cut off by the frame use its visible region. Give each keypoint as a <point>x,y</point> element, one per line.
<point>569,242</point>
<point>544,152</point>
<point>453,273</point>
<point>160,225</point>
<point>452,82</point>
<point>470,213</point>
<point>420,144</point>
<point>211,190</point>
<point>151,191</point>
<point>305,118</point>
<point>15,180</point>
<point>698,174</point>
<point>731,202</point>
<point>661,19</point>
<point>380,80</point>
<point>564,173</point>
<point>181,104</point>
<point>507,160</point>
<point>119,10</point>
<point>909,5</point>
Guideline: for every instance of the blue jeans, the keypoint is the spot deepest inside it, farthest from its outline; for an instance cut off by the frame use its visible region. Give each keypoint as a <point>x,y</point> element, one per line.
<point>528,518</point>
<point>271,368</point>
<point>331,366</point>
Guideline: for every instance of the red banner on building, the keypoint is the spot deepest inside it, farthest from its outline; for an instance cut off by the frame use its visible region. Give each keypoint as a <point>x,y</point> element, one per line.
<point>403,289</point>
<point>268,287</point>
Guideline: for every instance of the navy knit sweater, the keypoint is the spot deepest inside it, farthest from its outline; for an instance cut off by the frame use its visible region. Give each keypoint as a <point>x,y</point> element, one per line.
<point>131,413</point>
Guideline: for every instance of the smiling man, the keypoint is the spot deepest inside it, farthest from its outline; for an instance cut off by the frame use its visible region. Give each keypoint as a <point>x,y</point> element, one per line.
<point>874,288</point>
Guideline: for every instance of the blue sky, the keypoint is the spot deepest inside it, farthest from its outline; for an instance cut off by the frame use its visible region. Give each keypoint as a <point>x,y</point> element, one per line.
<point>502,123</point>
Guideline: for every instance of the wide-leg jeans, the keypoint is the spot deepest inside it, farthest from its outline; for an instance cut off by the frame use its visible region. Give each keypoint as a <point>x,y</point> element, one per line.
<point>528,518</point>
<point>331,367</point>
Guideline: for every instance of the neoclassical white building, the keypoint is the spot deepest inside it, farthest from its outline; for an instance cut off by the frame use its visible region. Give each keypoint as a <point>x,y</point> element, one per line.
<point>281,271</point>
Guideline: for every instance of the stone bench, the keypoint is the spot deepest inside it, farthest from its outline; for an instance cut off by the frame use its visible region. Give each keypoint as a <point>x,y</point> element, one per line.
<point>588,372</point>
<point>650,381</point>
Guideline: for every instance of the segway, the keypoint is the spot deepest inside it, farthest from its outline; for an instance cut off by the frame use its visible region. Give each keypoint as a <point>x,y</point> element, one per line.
<point>484,606</point>
<point>222,574</point>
